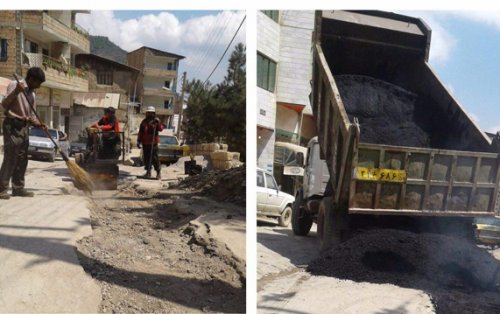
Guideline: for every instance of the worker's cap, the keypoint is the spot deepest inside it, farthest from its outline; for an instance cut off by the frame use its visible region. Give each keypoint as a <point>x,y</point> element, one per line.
<point>109,110</point>
<point>150,109</point>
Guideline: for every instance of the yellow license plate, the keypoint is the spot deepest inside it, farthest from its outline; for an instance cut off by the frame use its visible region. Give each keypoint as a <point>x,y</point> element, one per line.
<point>374,174</point>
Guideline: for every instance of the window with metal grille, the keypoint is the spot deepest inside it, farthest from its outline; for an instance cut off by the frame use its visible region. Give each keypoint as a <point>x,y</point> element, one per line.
<point>273,14</point>
<point>3,49</point>
<point>266,73</point>
<point>105,77</point>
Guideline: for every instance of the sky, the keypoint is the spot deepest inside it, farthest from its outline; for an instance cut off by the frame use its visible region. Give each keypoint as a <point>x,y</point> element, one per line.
<point>465,54</point>
<point>200,36</point>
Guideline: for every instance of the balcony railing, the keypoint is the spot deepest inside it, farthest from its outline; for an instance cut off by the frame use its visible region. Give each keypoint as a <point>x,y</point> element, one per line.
<point>43,61</point>
<point>80,30</point>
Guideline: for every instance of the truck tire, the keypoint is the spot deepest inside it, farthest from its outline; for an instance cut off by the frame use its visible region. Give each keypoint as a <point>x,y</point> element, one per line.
<point>328,232</point>
<point>286,217</point>
<point>301,221</point>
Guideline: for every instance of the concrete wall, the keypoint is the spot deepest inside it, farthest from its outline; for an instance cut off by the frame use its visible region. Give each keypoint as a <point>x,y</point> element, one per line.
<point>295,59</point>
<point>265,148</point>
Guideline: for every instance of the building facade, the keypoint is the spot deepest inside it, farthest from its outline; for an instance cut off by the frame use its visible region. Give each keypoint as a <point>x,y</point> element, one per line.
<point>157,83</point>
<point>111,84</point>
<point>284,72</point>
<point>49,40</point>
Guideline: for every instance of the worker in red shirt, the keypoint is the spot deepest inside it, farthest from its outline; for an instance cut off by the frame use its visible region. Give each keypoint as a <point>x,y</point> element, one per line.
<point>110,129</point>
<point>148,137</point>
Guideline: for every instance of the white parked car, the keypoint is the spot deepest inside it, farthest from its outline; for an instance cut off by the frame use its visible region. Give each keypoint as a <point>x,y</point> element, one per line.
<point>271,202</point>
<point>41,146</point>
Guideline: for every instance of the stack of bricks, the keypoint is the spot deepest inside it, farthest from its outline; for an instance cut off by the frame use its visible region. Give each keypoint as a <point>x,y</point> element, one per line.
<point>220,158</point>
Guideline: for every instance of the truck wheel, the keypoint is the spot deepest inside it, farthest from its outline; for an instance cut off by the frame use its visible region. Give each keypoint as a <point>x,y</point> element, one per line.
<point>328,235</point>
<point>301,221</point>
<point>286,217</point>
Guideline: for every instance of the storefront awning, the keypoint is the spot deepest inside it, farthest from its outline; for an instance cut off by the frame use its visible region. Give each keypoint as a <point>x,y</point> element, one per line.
<point>97,100</point>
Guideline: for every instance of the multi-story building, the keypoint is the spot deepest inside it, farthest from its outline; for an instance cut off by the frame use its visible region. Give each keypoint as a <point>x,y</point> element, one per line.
<point>284,72</point>
<point>111,84</point>
<point>157,83</point>
<point>50,40</point>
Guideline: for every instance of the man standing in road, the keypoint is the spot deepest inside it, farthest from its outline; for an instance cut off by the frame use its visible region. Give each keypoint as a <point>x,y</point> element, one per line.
<point>149,138</point>
<point>18,117</point>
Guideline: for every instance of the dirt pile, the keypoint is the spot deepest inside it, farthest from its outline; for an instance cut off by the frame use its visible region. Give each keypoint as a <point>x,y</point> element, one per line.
<point>459,276</point>
<point>391,115</point>
<point>222,185</point>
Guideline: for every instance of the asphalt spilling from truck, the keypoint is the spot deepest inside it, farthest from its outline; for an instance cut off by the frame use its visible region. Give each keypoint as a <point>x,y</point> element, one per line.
<point>459,276</point>
<point>392,115</point>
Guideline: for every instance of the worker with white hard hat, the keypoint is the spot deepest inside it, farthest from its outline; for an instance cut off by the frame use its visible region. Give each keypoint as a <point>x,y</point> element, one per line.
<point>149,138</point>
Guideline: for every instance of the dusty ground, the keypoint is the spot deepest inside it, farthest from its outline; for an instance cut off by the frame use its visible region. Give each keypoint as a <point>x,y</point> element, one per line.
<point>155,249</point>
<point>375,271</point>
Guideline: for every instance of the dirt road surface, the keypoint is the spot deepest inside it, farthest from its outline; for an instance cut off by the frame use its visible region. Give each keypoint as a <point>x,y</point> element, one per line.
<point>285,287</point>
<point>141,248</point>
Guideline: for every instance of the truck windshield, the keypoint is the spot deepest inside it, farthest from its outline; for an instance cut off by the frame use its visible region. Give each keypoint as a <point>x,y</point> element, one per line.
<point>41,133</point>
<point>168,140</point>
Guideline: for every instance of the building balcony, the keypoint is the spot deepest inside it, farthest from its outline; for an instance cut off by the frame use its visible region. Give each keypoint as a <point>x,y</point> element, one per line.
<point>58,74</point>
<point>158,71</point>
<point>160,92</point>
<point>40,25</point>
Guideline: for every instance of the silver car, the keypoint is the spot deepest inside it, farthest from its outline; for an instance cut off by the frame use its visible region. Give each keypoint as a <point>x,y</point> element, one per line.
<point>42,147</point>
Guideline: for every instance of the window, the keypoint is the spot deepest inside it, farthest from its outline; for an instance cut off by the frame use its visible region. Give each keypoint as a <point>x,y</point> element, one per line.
<point>270,182</point>
<point>266,73</point>
<point>166,104</point>
<point>45,52</point>
<point>167,84</point>
<point>105,77</point>
<point>273,14</point>
<point>169,66</point>
<point>260,179</point>
<point>3,49</point>
<point>30,47</point>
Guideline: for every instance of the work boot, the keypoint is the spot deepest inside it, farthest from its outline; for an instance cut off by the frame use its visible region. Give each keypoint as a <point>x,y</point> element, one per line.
<point>158,175</point>
<point>148,174</point>
<point>22,193</point>
<point>4,195</point>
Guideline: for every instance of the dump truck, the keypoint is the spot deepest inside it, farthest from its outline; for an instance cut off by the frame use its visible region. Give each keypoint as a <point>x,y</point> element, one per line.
<point>391,139</point>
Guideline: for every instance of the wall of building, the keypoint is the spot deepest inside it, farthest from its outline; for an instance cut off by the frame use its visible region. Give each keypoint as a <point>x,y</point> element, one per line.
<point>295,59</point>
<point>6,32</point>
<point>268,44</point>
<point>265,148</point>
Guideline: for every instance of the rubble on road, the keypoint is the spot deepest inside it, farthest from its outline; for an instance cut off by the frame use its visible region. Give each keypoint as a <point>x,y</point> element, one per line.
<point>222,185</point>
<point>459,276</point>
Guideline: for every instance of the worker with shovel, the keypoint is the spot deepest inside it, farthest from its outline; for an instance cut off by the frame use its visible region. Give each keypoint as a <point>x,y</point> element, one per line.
<point>148,137</point>
<point>18,117</point>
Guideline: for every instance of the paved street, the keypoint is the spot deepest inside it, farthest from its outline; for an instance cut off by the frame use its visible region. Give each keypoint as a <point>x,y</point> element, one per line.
<point>40,270</point>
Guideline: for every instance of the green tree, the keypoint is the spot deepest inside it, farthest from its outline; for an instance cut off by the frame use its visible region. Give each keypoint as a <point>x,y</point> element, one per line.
<point>218,113</point>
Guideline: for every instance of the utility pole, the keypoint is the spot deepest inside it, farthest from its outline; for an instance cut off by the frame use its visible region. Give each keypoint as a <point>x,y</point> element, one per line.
<point>182,105</point>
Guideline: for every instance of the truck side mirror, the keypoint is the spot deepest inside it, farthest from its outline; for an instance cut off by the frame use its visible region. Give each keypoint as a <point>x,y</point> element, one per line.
<point>299,157</point>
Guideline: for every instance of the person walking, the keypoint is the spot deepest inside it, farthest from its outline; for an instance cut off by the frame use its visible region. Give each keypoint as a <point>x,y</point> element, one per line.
<point>148,137</point>
<point>18,118</point>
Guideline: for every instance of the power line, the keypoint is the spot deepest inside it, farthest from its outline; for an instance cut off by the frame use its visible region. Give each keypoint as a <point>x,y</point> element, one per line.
<point>199,69</point>
<point>227,48</point>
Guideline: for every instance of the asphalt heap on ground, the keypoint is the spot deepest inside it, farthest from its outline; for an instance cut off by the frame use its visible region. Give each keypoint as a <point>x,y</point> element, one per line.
<point>391,115</point>
<point>222,185</point>
<point>459,276</point>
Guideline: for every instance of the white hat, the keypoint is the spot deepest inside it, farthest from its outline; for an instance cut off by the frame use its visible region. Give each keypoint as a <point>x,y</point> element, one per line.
<point>150,109</point>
